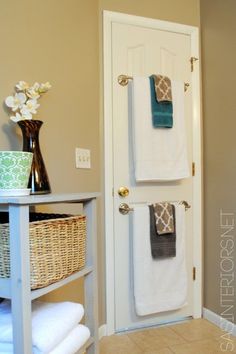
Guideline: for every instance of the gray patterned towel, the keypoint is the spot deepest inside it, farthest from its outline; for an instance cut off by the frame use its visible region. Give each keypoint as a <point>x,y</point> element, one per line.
<point>162,246</point>
<point>164,218</point>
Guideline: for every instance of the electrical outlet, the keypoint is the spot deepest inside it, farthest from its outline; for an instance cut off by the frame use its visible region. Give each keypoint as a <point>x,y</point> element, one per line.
<point>82,158</point>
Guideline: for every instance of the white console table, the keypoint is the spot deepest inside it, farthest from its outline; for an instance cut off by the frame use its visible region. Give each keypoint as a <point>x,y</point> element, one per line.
<point>17,287</point>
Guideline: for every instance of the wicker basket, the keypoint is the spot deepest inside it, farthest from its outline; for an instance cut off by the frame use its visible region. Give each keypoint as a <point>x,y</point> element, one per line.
<point>57,247</point>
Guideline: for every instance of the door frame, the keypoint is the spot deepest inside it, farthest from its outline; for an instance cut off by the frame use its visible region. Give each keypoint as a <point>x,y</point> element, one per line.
<point>108,18</point>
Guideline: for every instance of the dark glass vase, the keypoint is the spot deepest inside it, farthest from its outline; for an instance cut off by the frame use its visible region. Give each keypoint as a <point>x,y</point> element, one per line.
<point>38,181</point>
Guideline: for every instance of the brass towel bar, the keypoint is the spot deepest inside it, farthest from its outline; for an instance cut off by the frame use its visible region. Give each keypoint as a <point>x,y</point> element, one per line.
<point>125,208</point>
<point>124,79</point>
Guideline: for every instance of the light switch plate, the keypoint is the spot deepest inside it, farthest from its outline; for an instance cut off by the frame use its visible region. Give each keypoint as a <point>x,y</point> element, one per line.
<point>82,158</point>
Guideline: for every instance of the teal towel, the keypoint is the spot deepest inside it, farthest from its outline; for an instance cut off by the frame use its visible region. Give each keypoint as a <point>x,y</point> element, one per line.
<point>162,112</point>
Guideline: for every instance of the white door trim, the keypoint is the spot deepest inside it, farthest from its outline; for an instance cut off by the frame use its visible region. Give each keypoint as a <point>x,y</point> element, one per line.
<point>108,19</point>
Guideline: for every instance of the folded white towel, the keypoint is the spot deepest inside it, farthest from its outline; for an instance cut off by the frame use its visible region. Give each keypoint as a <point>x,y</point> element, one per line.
<point>51,322</point>
<point>74,341</point>
<point>70,345</point>
<point>159,284</point>
<point>159,154</point>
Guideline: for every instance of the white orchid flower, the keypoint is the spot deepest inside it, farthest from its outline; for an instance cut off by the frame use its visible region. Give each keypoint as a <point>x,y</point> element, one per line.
<point>16,102</point>
<point>16,118</point>
<point>33,91</point>
<point>44,87</point>
<point>29,108</point>
<point>36,86</point>
<point>22,86</point>
<point>24,103</point>
<point>25,113</point>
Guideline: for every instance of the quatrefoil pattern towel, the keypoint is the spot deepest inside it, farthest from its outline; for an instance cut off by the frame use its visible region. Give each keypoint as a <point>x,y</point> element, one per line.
<point>164,216</point>
<point>162,88</point>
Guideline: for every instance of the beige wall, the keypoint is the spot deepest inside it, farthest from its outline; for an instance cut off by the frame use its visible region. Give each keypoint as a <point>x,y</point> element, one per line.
<point>55,41</point>
<point>219,83</point>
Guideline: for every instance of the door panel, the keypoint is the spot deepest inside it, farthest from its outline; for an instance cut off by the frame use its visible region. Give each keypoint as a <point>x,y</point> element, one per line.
<point>142,51</point>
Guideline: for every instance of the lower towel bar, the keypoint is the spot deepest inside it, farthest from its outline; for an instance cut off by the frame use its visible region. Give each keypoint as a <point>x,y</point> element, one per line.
<point>125,208</point>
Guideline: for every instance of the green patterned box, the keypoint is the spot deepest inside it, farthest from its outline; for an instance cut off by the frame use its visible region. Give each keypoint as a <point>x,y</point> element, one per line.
<point>15,169</point>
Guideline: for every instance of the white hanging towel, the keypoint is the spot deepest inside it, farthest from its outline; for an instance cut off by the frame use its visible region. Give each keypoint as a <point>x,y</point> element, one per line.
<point>159,284</point>
<point>160,154</point>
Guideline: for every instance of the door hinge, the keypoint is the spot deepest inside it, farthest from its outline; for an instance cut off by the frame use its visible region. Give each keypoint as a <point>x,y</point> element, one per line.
<point>193,169</point>
<point>194,273</point>
<point>192,61</point>
<point>112,192</point>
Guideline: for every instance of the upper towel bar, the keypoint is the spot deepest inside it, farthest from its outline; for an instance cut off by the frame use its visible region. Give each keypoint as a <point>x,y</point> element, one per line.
<point>124,79</point>
<point>125,208</point>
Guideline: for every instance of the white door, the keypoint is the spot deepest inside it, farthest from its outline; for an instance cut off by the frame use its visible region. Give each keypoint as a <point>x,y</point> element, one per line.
<point>138,50</point>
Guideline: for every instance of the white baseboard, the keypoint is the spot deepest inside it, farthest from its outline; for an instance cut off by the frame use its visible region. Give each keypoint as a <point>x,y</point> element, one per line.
<point>219,321</point>
<point>102,331</point>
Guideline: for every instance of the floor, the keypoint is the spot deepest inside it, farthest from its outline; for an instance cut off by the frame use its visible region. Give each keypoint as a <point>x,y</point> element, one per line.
<point>190,337</point>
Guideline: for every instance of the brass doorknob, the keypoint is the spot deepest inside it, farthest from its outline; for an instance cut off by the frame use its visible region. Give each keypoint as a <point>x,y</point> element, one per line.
<point>123,192</point>
<point>124,208</point>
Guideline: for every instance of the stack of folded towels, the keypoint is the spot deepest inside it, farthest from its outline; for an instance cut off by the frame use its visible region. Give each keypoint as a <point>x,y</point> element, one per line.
<point>55,328</point>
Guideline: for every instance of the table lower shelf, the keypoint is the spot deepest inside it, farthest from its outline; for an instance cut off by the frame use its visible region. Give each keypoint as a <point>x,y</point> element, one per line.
<point>5,284</point>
